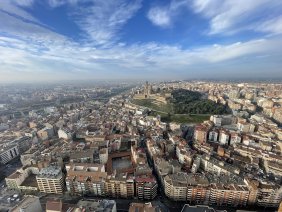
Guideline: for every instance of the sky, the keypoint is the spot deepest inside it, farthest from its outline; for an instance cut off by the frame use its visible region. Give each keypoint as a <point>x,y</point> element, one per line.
<point>50,40</point>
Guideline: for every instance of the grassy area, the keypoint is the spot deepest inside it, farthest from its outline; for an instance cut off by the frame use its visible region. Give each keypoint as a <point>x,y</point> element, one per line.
<point>165,111</point>
<point>189,118</point>
<point>182,118</point>
<point>150,103</point>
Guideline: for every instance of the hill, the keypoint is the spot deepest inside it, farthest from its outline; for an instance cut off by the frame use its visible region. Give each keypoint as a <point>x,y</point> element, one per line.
<point>193,102</point>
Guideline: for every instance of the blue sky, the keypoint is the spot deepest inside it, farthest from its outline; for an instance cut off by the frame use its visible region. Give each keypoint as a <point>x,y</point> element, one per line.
<point>139,39</point>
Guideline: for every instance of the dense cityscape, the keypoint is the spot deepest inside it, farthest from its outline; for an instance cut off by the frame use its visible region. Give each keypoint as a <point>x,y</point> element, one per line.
<point>111,147</point>
<point>140,106</point>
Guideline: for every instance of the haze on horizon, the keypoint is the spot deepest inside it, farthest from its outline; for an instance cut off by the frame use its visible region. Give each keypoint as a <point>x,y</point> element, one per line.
<point>133,39</point>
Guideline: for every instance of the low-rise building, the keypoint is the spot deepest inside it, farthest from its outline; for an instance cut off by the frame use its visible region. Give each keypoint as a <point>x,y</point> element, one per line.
<point>134,207</point>
<point>97,205</point>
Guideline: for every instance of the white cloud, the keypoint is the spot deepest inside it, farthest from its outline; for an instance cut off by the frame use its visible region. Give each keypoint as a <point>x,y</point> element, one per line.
<point>103,20</point>
<point>160,16</point>
<point>224,16</point>
<point>58,3</point>
<point>28,49</point>
<point>12,8</point>
<point>229,16</point>
<point>27,30</point>
<point>65,56</point>
<point>273,26</point>
<point>163,15</point>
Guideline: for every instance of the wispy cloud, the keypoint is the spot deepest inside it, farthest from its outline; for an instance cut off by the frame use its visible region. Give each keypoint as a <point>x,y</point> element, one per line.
<point>224,16</point>
<point>272,26</point>
<point>228,16</point>
<point>101,20</point>
<point>58,3</point>
<point>29,48</point>
<point>12,8</point>
<point>63,57</point>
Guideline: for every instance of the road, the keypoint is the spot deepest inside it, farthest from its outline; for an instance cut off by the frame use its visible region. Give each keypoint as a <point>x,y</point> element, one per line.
<point>6,170</point>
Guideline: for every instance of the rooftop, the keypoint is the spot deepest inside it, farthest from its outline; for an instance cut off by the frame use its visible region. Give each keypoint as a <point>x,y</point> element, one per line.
<point>50,172</point>
<point>197,208</point>
<point>25,203</point>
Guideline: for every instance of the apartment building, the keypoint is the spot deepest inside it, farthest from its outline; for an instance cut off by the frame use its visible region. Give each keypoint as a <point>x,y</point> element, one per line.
<point>213,135</point>
<point>86,178</point>
<point>15,179</point>
<point>235,138</point>
<point>146,187</point>
<point>186,187</point>
<point>253,188</point>
<point>134,207</point>
<point>83,156</point>
<point>269,195</point>
<point>120,185</point>
<point>23,143</point>
<point>201,133</point>
<point>51,180</point>
<point>217,167</point>
<point>23,179</point>
<point>229,195</point>
<point>8,153</point>
<point>223,137</point>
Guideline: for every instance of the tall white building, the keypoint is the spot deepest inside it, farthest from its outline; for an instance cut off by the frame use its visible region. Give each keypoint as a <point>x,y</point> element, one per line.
<point>223,137</point>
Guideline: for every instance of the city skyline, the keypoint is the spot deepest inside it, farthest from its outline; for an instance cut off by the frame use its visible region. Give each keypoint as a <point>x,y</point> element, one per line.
<point>119,39</point>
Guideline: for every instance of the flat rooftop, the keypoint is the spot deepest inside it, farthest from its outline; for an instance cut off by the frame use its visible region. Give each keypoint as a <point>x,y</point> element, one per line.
<point>197,208</point>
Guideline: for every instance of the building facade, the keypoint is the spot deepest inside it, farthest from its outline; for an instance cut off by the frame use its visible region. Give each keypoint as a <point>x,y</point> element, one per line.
<point>51,180</point>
